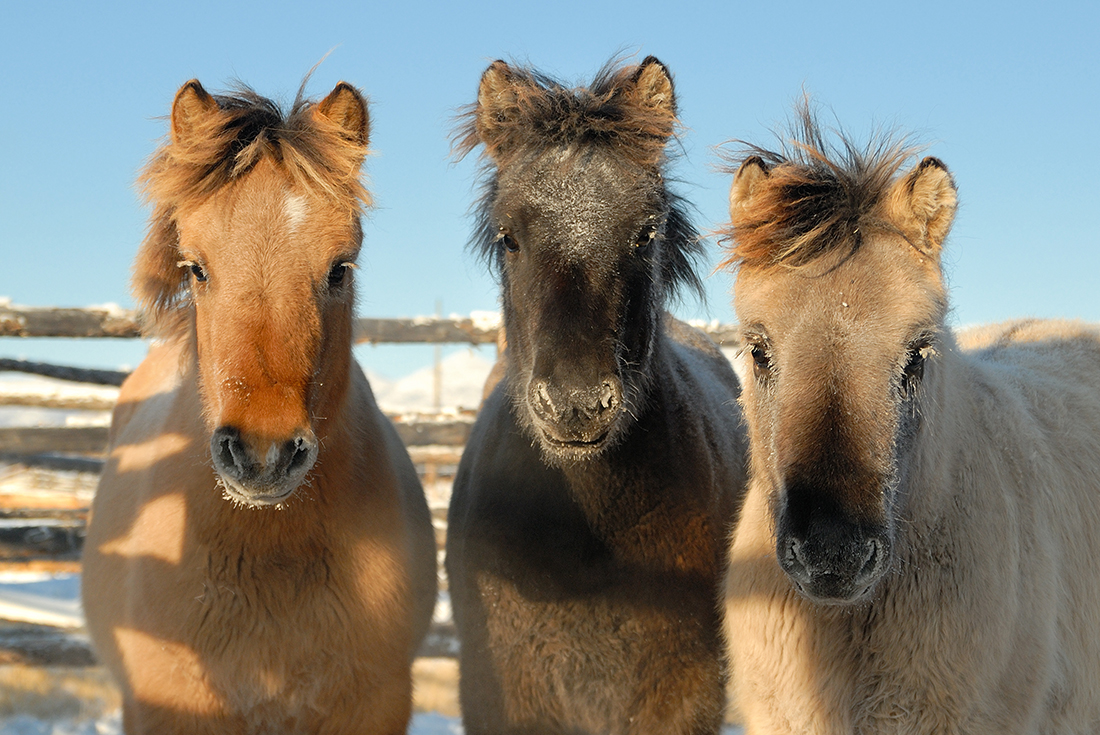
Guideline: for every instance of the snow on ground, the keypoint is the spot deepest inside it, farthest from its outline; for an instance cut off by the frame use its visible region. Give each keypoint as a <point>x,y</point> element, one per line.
<point>425,723</point>
<point>422,724</point>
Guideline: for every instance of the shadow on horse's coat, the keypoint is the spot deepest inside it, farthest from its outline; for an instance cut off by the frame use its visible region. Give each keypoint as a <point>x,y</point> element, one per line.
<point>917,549</point>
<point>260,556</point>
<point>587,529</point>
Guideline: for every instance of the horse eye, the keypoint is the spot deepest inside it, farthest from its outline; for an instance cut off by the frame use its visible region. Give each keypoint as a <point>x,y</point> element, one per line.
<point>508,242</point>
<point>646,236</point>
<point>337,274</point>
<point>196,270</point>
<point>913,371</point>
<point>761,361</point>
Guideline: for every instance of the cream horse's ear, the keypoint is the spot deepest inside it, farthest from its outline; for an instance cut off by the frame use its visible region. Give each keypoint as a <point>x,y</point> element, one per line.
<point>749,174</point>
<point>923,203</point>
<point>192,111</point>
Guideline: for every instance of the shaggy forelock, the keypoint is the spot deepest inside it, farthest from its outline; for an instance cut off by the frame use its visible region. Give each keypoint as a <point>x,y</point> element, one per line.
<point>549,115</point>
<point>817,196</point>
<point>316,153</point>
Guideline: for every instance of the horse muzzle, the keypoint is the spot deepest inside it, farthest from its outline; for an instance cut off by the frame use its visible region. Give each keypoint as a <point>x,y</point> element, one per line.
<point>261,477</point>
<point>575,422</point>
<point>835,563</point>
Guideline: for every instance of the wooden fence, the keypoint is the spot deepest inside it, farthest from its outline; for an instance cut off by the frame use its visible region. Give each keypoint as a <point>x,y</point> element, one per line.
<point>44,529</point>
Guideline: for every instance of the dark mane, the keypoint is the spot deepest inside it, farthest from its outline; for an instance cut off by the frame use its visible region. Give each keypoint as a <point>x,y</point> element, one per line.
<point>547,114</point>
<point>817,195</point>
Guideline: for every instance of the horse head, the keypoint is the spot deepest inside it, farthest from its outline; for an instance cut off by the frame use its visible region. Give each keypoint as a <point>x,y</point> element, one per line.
<point>841,302</point>
<point>588,242</point>
<point>254,238</point>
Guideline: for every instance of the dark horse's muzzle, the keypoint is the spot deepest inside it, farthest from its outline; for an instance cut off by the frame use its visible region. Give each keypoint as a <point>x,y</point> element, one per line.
<point>575,417</point>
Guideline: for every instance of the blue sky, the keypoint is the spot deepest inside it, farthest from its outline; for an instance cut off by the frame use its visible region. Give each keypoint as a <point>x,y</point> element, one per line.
<point>1008,97</point>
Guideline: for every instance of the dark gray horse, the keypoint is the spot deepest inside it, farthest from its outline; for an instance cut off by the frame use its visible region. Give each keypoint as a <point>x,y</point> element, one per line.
<point>588,527</point>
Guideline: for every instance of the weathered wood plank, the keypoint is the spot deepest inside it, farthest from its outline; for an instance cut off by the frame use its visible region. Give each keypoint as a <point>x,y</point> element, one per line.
<point>48,439</point>
<point>61,372</point>
<point>34,321</point>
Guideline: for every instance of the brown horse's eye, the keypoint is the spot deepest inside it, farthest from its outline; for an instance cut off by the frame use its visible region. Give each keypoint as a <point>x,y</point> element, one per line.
<point>196,270</point>
<point>338,274</point>
<point>761,361</point>
<point>508,242</point>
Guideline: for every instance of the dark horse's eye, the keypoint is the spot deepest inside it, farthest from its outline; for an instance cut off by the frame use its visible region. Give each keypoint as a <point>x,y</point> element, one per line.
<point>508,242</point>
<point>338,273</point>
<point>646,236</point>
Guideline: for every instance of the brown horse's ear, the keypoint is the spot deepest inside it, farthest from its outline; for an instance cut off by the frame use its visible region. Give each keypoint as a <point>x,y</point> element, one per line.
<point>651,87</point>
<point>923,203</point>
<point>750,174</point>
<point>497,105</point>
<point>346,107</point>
<point>191,110</point>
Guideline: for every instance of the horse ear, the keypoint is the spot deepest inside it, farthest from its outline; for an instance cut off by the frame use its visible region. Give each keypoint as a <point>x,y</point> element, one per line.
<point>497,104</point>
<point>346,107</point>
<point>749,174</point>
<point>923,202</point>
<point>651,86</point>
<point>191,109</point>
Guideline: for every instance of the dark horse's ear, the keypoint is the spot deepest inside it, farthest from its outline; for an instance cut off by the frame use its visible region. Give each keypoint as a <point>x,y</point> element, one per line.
<point>923,203</point>
<point>750,174</point>
<point>192,110</point>
<point>346,107</point>
<point>497,105</point>
<point>651,87</point>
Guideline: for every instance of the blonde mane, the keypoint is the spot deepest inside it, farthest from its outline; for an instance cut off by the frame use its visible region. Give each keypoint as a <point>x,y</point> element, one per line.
<point>816,198</point>
<point>315,152</point>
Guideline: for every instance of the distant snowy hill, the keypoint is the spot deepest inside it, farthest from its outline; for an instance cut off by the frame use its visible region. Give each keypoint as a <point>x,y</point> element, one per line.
<point>464,374</point>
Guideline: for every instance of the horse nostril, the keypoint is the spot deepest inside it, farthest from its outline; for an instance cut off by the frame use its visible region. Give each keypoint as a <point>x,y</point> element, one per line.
<point>302,450</point>
<point>229,453</point>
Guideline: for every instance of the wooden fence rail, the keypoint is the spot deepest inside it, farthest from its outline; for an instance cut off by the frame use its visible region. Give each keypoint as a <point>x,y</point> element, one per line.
<point>113,322</point>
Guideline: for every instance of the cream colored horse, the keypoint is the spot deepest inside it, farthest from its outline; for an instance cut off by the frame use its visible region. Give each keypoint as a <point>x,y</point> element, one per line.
<point>918,548</point>
<point>260,557</point>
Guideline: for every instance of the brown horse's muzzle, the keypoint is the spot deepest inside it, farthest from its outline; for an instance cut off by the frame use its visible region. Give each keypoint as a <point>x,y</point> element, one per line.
<point>262,473</point>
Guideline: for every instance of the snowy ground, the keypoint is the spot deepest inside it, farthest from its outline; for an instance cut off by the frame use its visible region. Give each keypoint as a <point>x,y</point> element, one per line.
<point>422,724</point>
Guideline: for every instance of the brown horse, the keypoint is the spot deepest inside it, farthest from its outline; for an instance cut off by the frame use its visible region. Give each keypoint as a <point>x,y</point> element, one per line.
<point>261,556</point>
<point>917,551</point>
<point>588,526</point>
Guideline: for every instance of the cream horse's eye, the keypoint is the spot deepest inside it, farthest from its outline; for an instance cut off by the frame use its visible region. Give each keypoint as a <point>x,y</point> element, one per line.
<point>913,371</point>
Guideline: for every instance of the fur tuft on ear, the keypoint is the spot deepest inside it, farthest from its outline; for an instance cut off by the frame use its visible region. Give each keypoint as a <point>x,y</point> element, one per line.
<point>651,87</point>
<point>749,174</point>
<point>192,110</point>
<point>924,203</point>
<point>497,105</point>
<point>346,107</point>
